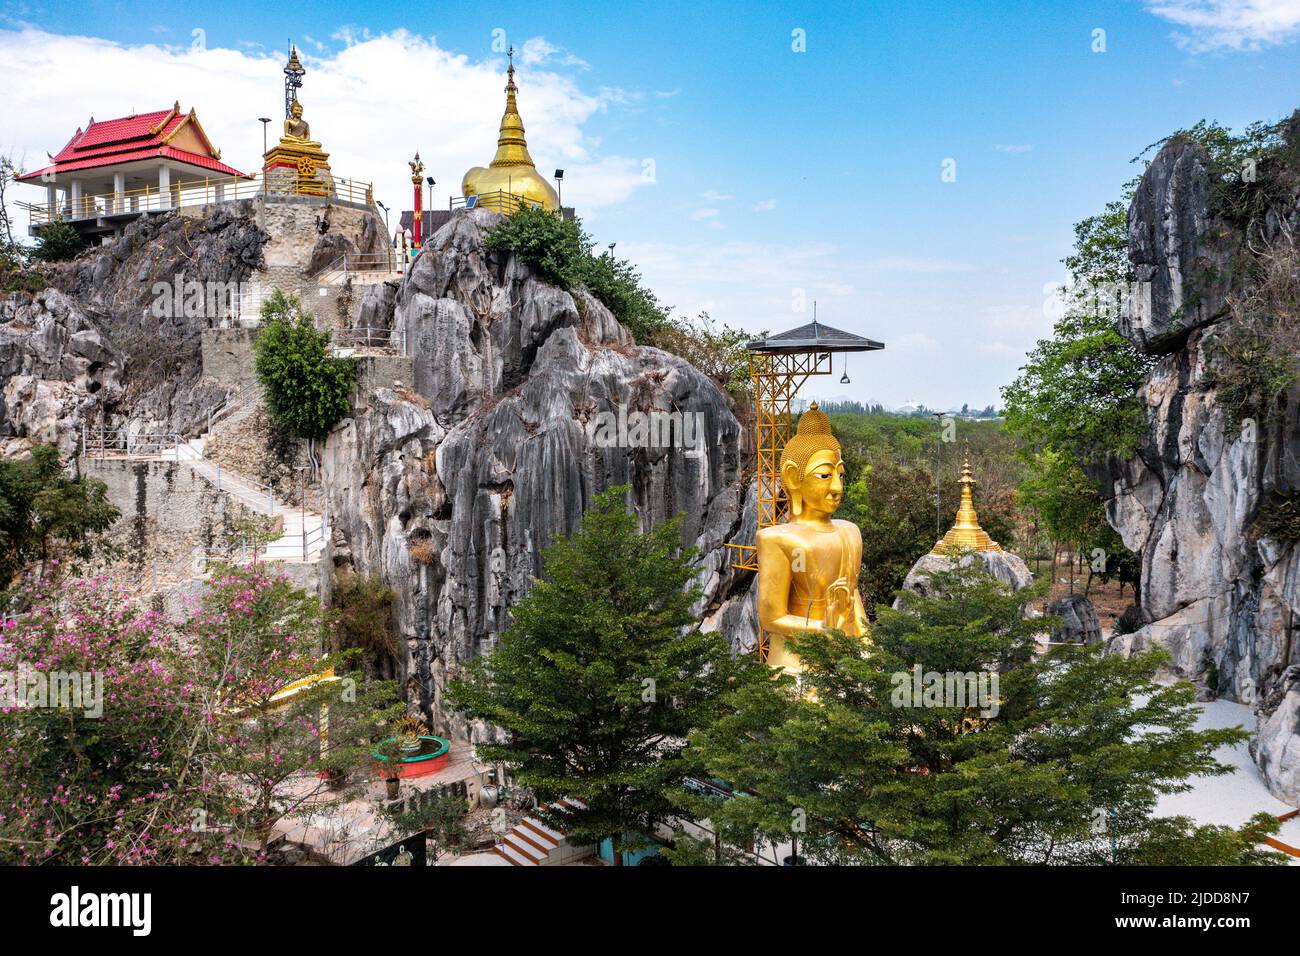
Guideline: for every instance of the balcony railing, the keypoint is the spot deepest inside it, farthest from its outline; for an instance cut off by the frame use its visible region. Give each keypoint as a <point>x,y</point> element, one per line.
<point>499,201</point>
<point>199,192</point>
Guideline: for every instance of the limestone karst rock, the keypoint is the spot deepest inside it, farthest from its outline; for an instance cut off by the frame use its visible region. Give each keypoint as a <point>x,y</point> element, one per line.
<point>450,485</point>
<point>1008,568</point>
<point>1079,622</point>
<point>1219,595</point>
<point>57,369</point>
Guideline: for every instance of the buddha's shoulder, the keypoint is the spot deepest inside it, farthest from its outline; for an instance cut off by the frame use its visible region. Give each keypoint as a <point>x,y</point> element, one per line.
<point>778,534</point>
<point>854,532</point>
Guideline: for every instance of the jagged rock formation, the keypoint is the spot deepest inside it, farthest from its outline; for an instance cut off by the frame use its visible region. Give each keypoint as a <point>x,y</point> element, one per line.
<point>449,486</point>
<point>1217,593</point>
<point>105,346</point>
<point>56,368</point>
<point>1079,622</point>
<point>1008,568</point>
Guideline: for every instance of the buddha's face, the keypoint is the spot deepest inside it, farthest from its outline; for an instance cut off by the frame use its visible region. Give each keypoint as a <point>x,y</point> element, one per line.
<point>296,110</point>
<point>817,492</point>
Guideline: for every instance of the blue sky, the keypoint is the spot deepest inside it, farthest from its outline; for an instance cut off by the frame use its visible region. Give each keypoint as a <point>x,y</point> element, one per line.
<point>741,175</point>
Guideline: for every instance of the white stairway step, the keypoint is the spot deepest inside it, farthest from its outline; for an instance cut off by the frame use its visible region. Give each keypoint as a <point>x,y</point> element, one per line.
<point>514,856</point>
<point>524,847</point>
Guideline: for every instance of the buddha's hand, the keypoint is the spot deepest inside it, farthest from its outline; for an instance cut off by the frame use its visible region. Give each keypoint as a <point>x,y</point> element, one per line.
<point>839,606</point>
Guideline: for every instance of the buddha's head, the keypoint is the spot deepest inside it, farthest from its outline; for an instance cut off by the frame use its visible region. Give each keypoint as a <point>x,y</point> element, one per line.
<point>296,110</point>
<point>812,470</point>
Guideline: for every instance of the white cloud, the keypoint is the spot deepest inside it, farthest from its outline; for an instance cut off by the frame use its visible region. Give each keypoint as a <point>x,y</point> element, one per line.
<point>712,196</point>
<point>1014,147</point>
<point>1230,24</point>
<point>372,104</point>
<point>701,214</point>
<point>767,205</point>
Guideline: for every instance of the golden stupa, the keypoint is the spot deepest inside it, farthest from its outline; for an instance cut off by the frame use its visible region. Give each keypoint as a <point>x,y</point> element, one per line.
<point>966,533</point>
<point>511,172</point>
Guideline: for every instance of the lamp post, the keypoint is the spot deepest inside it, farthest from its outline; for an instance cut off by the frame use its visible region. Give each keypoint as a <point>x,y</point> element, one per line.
<point>264,120</point>
<point>302,503</point>
<point>559,189</point>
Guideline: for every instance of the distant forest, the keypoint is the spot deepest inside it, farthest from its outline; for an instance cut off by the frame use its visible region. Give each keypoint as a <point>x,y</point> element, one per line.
<point>920,411</point>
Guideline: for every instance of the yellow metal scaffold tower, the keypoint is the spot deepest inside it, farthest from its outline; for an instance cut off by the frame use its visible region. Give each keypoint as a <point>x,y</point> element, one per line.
<point>778,367</point>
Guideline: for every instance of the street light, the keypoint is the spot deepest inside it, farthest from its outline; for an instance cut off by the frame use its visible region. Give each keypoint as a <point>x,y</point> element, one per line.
<point>559,188</point>
<point>264,120</point>
<point>432,182</point>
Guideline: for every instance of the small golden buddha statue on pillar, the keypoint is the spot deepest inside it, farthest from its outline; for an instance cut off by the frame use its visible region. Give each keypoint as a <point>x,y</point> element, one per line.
<point>297,164</point>
<point>296,128</point>
<point>808,566</point>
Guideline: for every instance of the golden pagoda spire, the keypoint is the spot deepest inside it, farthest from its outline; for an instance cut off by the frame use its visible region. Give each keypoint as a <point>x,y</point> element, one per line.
<point>512,149</point>
<point>966,533</point>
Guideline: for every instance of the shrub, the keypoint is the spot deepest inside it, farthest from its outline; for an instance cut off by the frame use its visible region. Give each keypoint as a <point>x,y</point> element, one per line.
<point>307,389</point>
<point>559,252</point>
<point>56,241</point>
<point>549,245</point>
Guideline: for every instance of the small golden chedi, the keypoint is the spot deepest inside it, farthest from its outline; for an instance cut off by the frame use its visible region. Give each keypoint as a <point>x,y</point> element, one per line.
<point>808,566</point>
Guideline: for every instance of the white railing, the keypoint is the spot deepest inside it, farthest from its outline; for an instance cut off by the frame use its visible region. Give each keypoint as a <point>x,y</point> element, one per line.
<point>124,443</point>
<point>383,341</point>
<point>200,192</point>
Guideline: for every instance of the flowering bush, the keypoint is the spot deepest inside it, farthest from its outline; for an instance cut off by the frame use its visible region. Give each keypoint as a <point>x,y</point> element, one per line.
<point>128,738</point>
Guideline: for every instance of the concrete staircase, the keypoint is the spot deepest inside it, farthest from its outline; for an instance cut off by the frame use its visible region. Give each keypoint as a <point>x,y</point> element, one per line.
<point>533,843</point>
<point>304,534</point>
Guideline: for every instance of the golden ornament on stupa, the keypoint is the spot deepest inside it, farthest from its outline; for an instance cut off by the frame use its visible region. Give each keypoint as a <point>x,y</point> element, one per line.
<point>966,533</point>
<point>511,177</point>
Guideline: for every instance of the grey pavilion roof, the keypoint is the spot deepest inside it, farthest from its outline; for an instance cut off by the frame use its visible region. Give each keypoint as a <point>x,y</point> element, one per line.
<point>815,336</point>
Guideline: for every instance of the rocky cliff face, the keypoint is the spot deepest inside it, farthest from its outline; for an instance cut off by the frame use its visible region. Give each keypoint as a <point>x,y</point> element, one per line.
<point>451,484</point>
<point>94,348</point>
<point>1220,595</point>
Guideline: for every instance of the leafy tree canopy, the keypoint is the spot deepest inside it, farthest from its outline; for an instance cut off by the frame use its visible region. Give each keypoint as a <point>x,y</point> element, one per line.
<point>307,388</point>
<point>1066,771</point>
<point>603,674</point>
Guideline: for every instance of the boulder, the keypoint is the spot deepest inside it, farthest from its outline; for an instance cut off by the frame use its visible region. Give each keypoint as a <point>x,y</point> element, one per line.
<point>1008,568</point>
<point>1079,623</point>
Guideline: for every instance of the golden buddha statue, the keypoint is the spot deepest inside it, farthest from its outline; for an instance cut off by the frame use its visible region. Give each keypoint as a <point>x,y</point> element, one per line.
<point>511,170</point>
<point>808,566</point>
<point>966,533</point>
<point>296,128</point>
<point>297,163</point>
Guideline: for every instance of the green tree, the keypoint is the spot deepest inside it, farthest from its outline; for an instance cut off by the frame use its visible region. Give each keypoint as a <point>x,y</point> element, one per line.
<point>602,675</point>
<point>560,252</point>
<point>45,515</point>
<point>440,816</point>
<point>1065,769</point>
<point>56,241</point>
<point>307,388</point>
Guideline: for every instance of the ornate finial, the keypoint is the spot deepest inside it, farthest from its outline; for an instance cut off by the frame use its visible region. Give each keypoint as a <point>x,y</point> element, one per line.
<point>966,533</point>
<point>417,169</point>
<point>512,148</point>
<point>293,74</point>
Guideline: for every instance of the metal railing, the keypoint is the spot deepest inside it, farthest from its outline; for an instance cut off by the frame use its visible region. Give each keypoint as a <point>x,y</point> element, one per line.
<point>365,264</point>
<point>124,443</point>
<point>199,192</point>
<point>499,201</point>
<point>232,402</point>
<point>383,341</point>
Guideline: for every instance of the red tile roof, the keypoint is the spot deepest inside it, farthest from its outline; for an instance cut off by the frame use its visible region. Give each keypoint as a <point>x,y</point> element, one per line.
<point>130,138</point>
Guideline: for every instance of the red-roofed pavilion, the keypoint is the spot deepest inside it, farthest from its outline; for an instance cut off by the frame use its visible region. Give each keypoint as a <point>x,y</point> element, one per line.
<point>114,170</point>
